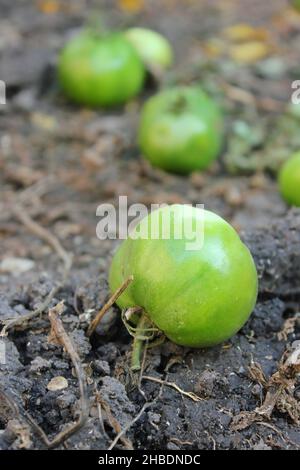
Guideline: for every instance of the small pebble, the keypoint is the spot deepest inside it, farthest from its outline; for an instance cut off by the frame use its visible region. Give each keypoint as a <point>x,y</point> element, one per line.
<point>57,383</point>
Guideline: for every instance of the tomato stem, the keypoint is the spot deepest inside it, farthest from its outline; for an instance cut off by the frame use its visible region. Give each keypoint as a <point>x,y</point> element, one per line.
<point>96,26</point>
<point>139,342</point>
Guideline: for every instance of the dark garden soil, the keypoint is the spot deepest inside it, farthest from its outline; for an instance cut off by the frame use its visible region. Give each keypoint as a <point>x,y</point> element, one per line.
<point>58,162</point>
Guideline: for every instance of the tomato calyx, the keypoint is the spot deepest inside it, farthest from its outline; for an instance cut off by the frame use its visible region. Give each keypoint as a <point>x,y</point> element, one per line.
<point>179,105</point>
<point>144,332</point>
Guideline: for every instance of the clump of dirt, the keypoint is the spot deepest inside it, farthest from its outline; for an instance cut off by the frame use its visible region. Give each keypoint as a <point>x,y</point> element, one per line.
<point>278,270</point>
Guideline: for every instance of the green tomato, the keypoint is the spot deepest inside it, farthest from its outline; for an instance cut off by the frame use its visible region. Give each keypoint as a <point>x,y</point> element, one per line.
<point>296,4</point>
<point>181,130</point>
<point>100,71</point>
<point>153,48</point>
<point>199,297</point>
<point>289,180</point>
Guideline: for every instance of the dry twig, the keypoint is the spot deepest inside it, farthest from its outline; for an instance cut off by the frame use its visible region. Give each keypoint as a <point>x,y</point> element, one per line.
<point>59,336</point>
<point>280,387</point>
<point>8,408</point>
<point>137,417</point>
<point>128,426</point>
<point>41,232</point>
<point>15,424</point>
<point>107,305</point>
<point>98,404</point>
<point>65,257</point>
<point>190,395</point>
<point>288,327</point>
<point>114,423</point>
<point>246,97</point>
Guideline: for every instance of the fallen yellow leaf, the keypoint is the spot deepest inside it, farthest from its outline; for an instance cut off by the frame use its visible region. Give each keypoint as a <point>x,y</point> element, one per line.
<point>245,32</point>
<point>249,52</point>
<point>43,121</point>
<point>131,5</point>
<point>49,6</point>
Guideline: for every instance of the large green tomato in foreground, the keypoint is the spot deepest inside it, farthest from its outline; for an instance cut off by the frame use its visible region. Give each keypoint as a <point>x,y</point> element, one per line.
<point>100,71</point>
<point>289,180</point>
<point>153,48</point>
<point>181,130</point>
<point>197,297</point>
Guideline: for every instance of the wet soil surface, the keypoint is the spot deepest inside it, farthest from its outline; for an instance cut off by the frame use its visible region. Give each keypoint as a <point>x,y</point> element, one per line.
<point>59,162</point>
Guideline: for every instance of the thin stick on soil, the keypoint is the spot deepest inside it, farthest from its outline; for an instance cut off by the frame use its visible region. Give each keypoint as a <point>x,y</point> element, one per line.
<point>143,365</point>
<point>41,232</point>
<point>8,408</point>
<point>108,305</point>
<point>65,257</point>
<point>28,195</point>
<point>59,336</point>
<point>190,395</point>
<point>128,426</point>
<point>147,405</point>
<point>114,423</point>
<point>246,97</point>
<point>280,393</point>
<point>98,404</point>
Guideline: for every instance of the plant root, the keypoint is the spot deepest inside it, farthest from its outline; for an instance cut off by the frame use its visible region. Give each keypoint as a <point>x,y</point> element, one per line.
<point>190,395</point>
<point>280,387</point>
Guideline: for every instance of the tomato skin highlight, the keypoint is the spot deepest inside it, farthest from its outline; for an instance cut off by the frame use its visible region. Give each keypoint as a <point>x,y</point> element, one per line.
<point>198,298</point>
<point>181,130</point>
<point>289,180</point>
<point>100,71</point>
<point>153,48</point>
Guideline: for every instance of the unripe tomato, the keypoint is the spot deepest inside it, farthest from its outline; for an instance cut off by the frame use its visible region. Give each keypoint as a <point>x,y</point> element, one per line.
<point>153,48</point>
<point>181,130</point>
<point>100,71</point>
<point>296,4</point>
<point>197,297</point>
<point>289,180</point>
